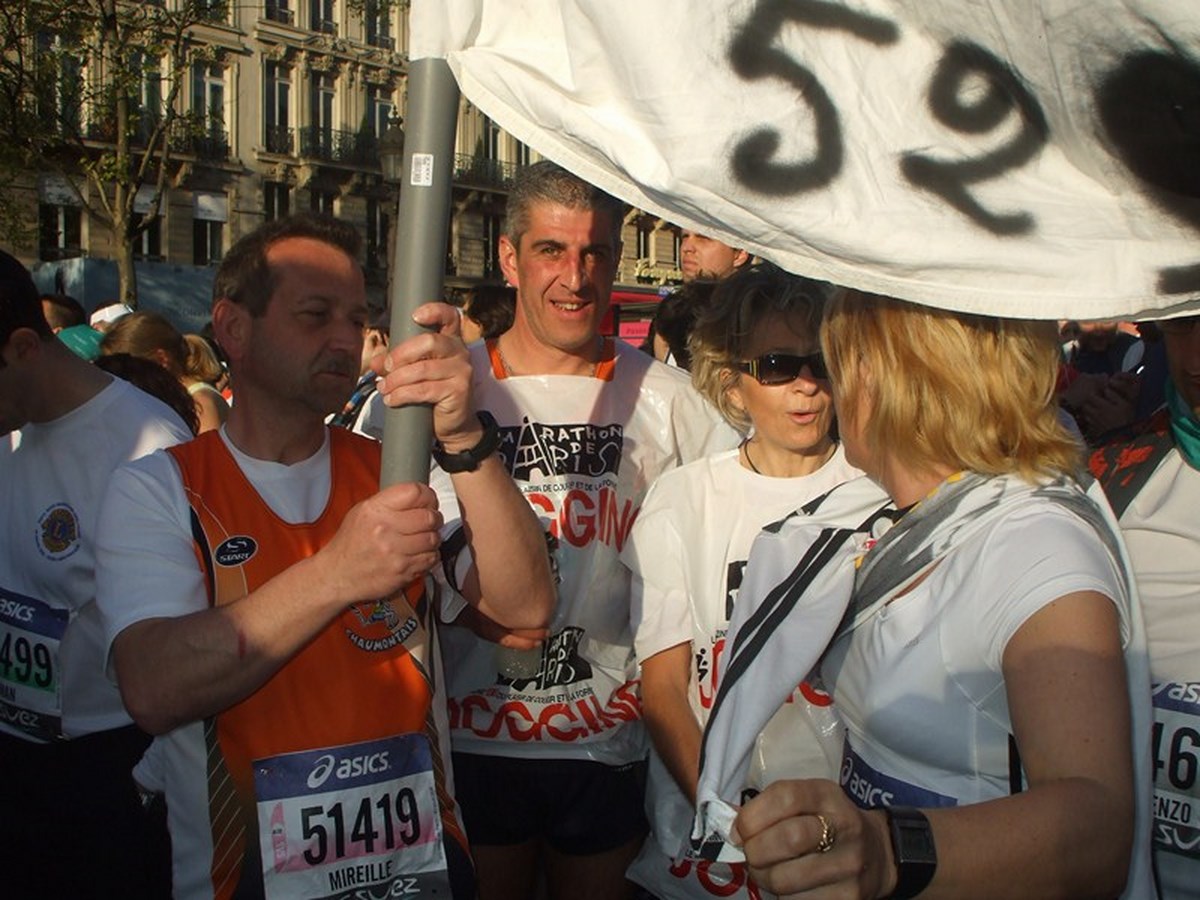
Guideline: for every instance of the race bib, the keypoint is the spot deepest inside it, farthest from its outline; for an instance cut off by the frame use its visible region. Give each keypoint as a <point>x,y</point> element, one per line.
<point>871,789</point>
<point>1176,760</point>
<point>30,683</point>
<point>356,821</point>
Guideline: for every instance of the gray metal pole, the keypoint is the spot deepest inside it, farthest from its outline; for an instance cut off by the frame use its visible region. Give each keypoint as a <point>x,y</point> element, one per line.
<point>419,259</point>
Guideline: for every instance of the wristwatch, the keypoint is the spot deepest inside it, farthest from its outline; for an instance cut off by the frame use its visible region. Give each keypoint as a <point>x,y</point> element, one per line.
<point>913,849</point>
<point>469,460</point>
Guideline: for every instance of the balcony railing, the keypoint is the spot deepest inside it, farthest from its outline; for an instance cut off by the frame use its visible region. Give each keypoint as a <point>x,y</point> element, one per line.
<point>386,41</point>
<point>280,14</point>
<point>279,140</point>
<point>335,145</point>
<point>104,130</point>
<point>479,171</point>
<point>325,26</point>
<point>209,142</point>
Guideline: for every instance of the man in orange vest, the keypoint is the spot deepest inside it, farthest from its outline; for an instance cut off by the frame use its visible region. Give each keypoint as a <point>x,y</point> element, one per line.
<point>267,607</point>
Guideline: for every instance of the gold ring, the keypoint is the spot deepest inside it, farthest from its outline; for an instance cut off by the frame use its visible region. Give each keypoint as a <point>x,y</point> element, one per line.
<point>825,844</point>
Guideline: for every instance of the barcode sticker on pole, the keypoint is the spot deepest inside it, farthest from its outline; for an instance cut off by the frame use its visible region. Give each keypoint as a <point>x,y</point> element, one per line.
<point>422,170</point>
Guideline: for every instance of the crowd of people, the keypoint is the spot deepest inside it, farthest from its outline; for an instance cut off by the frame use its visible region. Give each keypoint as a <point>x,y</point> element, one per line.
<point>828,599</point>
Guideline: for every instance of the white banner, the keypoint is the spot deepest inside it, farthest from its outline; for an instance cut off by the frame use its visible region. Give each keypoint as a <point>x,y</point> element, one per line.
<point>1034,158</point>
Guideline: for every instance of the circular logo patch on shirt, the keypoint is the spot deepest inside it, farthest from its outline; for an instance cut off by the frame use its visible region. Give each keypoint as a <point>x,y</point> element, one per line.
<point>235,550</point>
<point>58,531</point>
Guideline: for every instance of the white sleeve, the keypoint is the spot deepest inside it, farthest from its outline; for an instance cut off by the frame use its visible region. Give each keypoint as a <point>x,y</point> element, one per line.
<point>698,427</point>
<point>1032,559</point>
<point>660,613</point>
<point>146,565</point>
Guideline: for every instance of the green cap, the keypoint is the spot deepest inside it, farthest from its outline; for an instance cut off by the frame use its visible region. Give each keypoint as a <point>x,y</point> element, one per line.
<point>84,340</point>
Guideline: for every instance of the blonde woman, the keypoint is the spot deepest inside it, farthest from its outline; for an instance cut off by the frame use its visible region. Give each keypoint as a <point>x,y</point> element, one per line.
<point>993,684</point>
<point>755,356</point>
<point>151,336</point>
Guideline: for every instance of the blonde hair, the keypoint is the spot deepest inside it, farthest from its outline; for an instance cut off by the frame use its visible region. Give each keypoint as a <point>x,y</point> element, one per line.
<point>724,325</point>
<point>144,334</point>
<point>949,389</point>
<point>202,361</point>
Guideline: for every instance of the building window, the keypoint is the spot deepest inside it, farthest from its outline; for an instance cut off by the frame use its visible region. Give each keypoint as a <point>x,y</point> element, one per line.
<point>60,89</point>
<point>524,154</point>
<point>491,139</point>
<point>645,240</point>
<point>322,201</point>
<point>380,109</point>
<point>209,215</point>
<point>206,242</point>
<point>379,24</point>
<point>213,10</point>
<point>676,247</point>
<point>277,201</point>
<point>60,231</point>
<point>320,133</point>
<point>208,111</point>
<point>147,244</point>
<point>378,225</point>
<point>323,16</point>
<point>277,105</point>
<point>148,96</point>
<point>208,93</point>
<point>279,11</point>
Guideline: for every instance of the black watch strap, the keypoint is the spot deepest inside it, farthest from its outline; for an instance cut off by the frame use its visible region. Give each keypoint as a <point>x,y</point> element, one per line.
<point>471,459</point>
<point>913,850</point>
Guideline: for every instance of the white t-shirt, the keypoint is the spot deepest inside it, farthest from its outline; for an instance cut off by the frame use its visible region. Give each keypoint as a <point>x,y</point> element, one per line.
<point>1162,531</point>
<point>921,688</point>
<point>150,517</point>
<point>688,551</point>
<point>52,479</point>
<point>583,450</point>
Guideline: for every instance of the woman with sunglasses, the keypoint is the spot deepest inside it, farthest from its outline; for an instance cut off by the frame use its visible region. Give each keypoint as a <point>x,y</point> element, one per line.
<point>755,356</point>
<point>993,682</point>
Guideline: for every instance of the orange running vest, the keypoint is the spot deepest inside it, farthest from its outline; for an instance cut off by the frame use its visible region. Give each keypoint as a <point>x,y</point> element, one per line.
<point>355,681</point>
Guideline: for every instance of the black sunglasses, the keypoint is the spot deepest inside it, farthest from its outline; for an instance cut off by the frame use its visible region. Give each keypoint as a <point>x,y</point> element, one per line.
<point>783,368</point>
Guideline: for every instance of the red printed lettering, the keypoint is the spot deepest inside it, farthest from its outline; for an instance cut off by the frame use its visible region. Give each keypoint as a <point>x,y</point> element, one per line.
<point>815,695</point>
<point>727,881</point>
<point>585,517</point>
<point>557,721</point>
<point>708,691</point>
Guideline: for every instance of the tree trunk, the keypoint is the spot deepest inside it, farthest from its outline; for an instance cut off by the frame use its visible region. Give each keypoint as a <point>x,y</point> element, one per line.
<point>126,274</point>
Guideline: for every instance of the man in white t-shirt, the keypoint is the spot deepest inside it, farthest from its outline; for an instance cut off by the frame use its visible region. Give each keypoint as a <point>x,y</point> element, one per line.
<point>71,821</point>
<point>1152,478</point>
<point>268,606</point>
<point>550,757</point>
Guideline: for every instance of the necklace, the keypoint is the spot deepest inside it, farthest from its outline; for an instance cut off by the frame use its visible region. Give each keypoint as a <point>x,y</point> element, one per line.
<point>745,448</point>
<point>510,371</point>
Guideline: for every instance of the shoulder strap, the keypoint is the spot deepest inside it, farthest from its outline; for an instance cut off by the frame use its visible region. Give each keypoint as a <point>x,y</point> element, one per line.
<point>350,412</point>
<point>204,552</point>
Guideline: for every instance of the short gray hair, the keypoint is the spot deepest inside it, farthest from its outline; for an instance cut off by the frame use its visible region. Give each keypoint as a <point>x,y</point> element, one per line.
<point>548,182</point>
